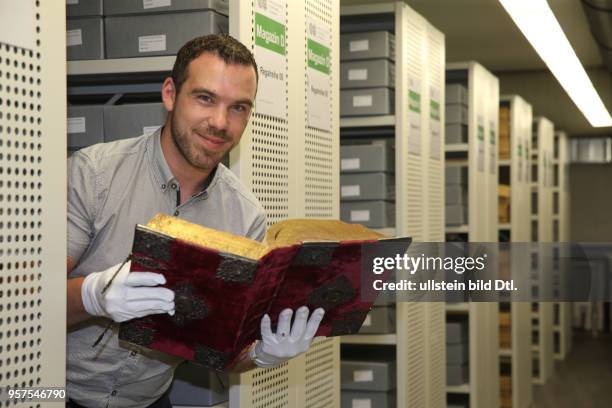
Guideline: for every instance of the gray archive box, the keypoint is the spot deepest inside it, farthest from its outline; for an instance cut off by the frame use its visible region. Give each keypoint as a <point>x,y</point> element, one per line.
<point>370,399</point>
<point>456,133</point>
<point>456,214</point>
<point>456,175</point>
<point>132,120</point>
<point>457,353</point>
<point>371,101</point>
<point>123,7</point>
<point>367,158</point>
<point>85,126</point>
<point>367,375</point>
<point>84,39</point>
<point>456,194</point>
<point>83,8</point>
<point>372,214</point>
<point>457,374</point>
<point>195,386</point>
<point>369,45</point>
<point>380,320</point>
<point>456,332</point>
<point>367,186</point>
<point>456,93</point>
<point>456,113</point>
<point>367,74</point>
<point>158,34</point>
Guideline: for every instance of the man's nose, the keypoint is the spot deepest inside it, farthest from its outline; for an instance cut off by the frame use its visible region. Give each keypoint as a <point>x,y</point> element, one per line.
<point>218,118</point>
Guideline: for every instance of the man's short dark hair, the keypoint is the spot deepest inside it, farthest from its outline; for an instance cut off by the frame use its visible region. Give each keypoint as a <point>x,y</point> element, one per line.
<point>226,47</point>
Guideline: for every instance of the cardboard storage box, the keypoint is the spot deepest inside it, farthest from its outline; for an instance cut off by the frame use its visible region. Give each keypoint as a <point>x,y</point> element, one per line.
<point>85,126</point>
<point>457,374</point>
<point>83,8</point>
<point>456,114</point>
<point>158,34</point>
<point>457,353</point>
<point>367,186</point>
<point>365,399</point>
<point>503,203</point>
<point>371,101</point>
<point>456,175</point>
<point>456,214</point>
<point>456,194</point>
<point>195,386</point>
<point>367,375</point>
<point>367,74</point>
<point>380,320</point>
<point>367,158</point>
<point>372,214</point>
<point>456,94</point>
<point>123,7</point>
<point>456,133</point>
<point>369,45</point>
<point>132,120</point>
<point>456,332</point>
<point>84,39</point>
<point>504,133</point>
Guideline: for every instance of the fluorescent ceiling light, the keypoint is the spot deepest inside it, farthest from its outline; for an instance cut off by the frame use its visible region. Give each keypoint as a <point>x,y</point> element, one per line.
<point>538,24</point>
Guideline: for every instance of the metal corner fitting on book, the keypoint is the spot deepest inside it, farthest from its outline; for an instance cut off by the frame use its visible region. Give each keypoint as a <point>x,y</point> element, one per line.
<point>234,268</point>
<point>333,294</point>
<point>315,253</point>
<point>152,244</point>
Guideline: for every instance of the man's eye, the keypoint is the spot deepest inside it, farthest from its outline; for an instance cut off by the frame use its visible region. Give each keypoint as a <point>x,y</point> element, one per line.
<point>239,108</point>
<point>205,98</point>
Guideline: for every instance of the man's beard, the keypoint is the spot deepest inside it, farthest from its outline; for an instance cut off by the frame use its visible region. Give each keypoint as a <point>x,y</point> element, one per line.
<point>195,155</point>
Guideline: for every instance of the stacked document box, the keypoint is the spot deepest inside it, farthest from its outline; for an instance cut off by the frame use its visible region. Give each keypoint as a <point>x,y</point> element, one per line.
<point>84,30</point>
<point>194,386</point>
<point>367,74</point>
<point>456,195</point>
<point>456,114</point>
<point>366,383</point>
<point>367,185</point>
<point>457,353</point>
<point>380,320</point>
<point>85,126</point>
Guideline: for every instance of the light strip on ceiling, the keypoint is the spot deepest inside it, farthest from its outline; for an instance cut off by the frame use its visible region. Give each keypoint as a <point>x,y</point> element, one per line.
<point>538,24</point>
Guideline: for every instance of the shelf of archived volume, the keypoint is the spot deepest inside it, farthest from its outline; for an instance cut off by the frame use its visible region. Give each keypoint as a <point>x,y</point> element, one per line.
<point>392,86</point>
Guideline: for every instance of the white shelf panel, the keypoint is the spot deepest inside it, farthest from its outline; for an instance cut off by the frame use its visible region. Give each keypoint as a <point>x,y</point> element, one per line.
<point>456,162</point>
<point>506,227</point>
<point>505,352</point>
<point>557,328</point>
<point>121,65</point>
<point>534,186</point>
<point>456,147</point>
<point>389,339</point>
<point>535,315</point>
<point>368,121</point>
<point>459,229</point>
<point>535,349</point>
<point>458,389</point>
<point>458,307</point>
<point>505,162</point>
<point>533,217</point>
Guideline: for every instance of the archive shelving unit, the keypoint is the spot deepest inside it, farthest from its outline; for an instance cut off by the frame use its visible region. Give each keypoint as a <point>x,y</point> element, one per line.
<point>542,232</point>
<point>480,156</point>
<point>562,311</point>
<point>291,176</point>
<point>419,68</point>
<point>514,171</point>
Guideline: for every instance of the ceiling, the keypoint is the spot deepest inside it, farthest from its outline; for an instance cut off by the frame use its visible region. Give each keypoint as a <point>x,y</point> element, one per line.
<point>482,31</point>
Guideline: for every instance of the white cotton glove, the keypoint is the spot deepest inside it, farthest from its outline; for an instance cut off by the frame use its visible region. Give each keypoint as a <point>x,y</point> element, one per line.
<point>288,342</point>
<point>130,295</point>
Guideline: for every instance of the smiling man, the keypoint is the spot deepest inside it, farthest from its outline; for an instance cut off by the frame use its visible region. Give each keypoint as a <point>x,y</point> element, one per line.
<point>177,170</point>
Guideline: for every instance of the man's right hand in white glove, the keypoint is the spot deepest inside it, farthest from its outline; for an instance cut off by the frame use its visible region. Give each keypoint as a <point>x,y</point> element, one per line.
<point>130,295</point>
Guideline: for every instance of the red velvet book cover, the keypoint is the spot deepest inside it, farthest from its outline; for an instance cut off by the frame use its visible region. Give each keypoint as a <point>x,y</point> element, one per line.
<point>221,297</point>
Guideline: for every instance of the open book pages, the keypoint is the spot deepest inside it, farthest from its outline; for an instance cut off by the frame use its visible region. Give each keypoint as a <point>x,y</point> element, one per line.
<point>283,233</point>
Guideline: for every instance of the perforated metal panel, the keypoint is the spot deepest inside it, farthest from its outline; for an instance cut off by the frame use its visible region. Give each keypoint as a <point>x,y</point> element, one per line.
<point>322,379</point>
<point>270,388</point>
<point>32,201</point>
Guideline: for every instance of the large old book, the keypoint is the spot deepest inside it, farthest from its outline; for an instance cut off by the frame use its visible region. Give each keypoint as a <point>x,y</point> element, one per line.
<point>225,283</point>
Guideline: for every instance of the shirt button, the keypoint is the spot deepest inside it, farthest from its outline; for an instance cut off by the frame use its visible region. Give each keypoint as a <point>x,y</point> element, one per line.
<point>133,353</point>
<point>114,393</point>
<point>176,213</point>
<point>173,186</point>
<point>163,186</point>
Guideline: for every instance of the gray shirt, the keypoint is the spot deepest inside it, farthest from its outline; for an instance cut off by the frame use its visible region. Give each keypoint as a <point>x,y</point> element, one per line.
<point>111,188</point>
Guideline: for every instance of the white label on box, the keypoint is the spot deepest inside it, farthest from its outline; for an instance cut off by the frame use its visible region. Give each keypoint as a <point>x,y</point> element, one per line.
<point>72,2</point>
<point>360,215</point>
<point>367,321</point>
<point>74,37</point>
<point>350,164</point>
<point>361,403</point>
<point>350,191</point>
<point>152,43</point>
<point>361,101</point>
<point>318,74</point>
<point>358,74</point>
<point>359,45</point>
<point>76,125</point>
<point>147,4</point>
<point>148,130</point>
<point>363,376</point>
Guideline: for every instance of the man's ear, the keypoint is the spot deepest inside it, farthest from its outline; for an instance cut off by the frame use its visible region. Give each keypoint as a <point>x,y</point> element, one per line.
<point>168,93</point>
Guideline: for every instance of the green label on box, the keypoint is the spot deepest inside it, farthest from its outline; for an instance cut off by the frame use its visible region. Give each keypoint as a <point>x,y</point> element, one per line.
<point>492,137</point>
<point>319,57</point>
<point>520,150</point>
<point>270,34</point>
<point>414,101</point>
<point>434,110</point>
<point>481,133</point>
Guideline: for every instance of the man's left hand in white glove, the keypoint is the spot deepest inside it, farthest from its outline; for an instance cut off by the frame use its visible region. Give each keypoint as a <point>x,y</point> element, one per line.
<point>288,341</point>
